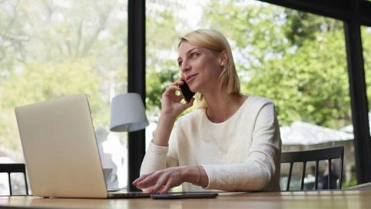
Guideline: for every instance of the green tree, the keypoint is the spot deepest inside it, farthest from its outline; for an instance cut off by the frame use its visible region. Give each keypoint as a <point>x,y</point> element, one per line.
<point>366,42</point>
<point>161,50</point>
<point>29,87</point>
<point>303,89</point>
<point>303,26</point>
<point>297,59</point>
<point>50,49</point>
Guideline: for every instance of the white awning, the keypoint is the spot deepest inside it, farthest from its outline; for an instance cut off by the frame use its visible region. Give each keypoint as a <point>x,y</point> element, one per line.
<point>302,133</point>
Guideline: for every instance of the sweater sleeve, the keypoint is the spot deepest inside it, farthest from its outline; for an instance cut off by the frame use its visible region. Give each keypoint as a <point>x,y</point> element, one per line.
<point>260,171</point>
<point>156,158</point>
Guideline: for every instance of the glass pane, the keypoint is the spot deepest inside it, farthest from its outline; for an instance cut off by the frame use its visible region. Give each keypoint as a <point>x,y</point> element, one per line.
<point>50,49</point>
<point>166,20</point>
<point>366,44</point>
<point>297,59</point>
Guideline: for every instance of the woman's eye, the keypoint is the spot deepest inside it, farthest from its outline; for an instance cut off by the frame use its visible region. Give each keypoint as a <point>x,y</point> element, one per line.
<point>180,63</point>
<point>194,55</point>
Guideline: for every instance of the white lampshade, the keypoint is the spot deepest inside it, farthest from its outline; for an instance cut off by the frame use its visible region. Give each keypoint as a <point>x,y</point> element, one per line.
<point>128,113</point>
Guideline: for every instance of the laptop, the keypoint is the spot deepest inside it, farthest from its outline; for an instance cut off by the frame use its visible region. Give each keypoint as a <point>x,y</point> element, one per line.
<point>61,151</point>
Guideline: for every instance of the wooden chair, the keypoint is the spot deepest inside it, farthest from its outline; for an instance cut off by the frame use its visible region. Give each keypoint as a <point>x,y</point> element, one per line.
<point>14,168</point>
<point>317,155</point>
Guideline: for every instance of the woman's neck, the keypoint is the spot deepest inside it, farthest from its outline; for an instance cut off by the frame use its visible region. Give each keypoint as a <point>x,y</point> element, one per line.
<point>221,108</point>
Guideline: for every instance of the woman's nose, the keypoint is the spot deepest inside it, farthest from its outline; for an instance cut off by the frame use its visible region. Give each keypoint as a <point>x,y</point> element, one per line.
<point>185,66</point>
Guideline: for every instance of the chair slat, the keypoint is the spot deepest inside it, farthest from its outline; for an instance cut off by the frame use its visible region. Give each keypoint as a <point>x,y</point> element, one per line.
<point>315,155</point>
<point>14,168</point>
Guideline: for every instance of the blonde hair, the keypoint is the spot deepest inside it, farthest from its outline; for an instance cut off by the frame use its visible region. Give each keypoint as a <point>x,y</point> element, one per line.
<point>216,41</point>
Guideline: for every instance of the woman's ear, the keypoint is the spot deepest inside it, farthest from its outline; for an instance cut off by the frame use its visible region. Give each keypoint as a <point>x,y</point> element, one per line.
<point>223,58</point>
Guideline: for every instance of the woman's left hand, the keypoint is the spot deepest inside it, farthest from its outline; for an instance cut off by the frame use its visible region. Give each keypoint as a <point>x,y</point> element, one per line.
<point>161,181</point>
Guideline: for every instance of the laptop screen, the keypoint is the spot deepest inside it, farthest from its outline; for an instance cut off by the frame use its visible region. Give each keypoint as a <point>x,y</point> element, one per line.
<point>60,148</point>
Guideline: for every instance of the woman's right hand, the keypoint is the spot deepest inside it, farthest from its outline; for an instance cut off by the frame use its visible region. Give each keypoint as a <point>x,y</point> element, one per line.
<point>171,101</point>
<point>172,107</point>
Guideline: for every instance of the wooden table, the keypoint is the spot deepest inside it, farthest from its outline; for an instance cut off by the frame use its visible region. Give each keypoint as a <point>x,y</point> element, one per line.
<point>355,199</point>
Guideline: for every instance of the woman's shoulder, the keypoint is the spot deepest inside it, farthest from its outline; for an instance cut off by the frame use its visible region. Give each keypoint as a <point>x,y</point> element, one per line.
<point>192,115</point>
<point>258,100</point>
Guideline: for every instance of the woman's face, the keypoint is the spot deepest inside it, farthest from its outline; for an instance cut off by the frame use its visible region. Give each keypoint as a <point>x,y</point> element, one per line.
<point>200,67</point>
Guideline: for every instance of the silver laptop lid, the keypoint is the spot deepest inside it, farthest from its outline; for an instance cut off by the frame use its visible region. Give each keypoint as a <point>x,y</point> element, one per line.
<point>60,148</point>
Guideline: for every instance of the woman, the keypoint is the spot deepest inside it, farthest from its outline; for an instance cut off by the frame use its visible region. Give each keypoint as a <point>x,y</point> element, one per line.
<point>230,143</point>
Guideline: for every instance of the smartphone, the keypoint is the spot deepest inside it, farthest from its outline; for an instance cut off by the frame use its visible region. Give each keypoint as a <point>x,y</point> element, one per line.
<point>186,92</point>
<point>185,195</point>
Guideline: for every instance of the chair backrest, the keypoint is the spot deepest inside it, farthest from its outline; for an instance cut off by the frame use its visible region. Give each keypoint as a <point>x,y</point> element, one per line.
<point>14,168</point>
<point>316,155</point>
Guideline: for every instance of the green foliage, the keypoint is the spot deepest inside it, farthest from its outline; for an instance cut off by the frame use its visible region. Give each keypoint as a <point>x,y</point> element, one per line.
<point>64,78</point>
<point>352,182</point>
<point>253,29</point>
<point>297,59</point>
<point>158,81</point>
<point>162,39</point>
<point>29,86</point>
<point>51,49</point>
<point>310,85</point>
<point>302,26</point>
<point>366,42</point>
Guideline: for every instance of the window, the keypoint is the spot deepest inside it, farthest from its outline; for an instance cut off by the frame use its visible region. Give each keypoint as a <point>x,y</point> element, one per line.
<point>50,49</point>
<point>295,58</point>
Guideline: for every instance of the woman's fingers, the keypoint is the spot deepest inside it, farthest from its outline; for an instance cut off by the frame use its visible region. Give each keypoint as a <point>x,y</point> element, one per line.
<point>137,182</point>
<point>157,187</point>
<point>163,184</point>
<point>153,182</point>
<point>166,188</point>
<point>144,181</point>
<point>160,181</point>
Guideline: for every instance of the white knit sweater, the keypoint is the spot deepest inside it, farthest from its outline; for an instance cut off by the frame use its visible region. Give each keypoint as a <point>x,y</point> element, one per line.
<point>240,154</point>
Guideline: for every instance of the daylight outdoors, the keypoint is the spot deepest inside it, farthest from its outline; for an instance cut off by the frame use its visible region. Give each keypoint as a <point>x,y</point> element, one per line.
<point>55,48</point>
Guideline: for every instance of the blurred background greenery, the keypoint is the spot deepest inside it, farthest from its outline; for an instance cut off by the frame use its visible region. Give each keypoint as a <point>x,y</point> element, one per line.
<point>53,48</point>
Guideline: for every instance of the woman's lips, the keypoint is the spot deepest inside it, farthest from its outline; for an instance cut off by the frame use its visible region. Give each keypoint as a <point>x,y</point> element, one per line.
<point>190,77</point>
